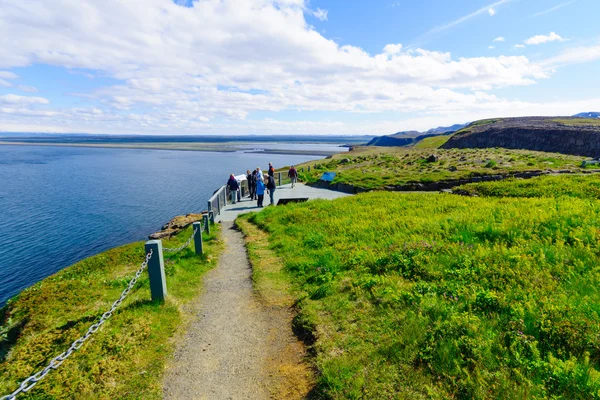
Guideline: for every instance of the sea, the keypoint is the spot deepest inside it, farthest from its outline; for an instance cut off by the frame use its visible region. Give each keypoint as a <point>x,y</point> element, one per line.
<point>59,205</point>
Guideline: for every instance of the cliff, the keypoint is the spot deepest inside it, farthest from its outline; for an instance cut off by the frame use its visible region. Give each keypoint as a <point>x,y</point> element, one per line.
<point>567,135</point>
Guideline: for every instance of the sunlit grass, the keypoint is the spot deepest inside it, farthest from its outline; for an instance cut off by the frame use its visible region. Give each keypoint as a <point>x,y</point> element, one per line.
<point>440,296</point>
<point>125,359</point>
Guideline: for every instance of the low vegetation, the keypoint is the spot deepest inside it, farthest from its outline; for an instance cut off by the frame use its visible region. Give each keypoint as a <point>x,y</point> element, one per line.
<point>126,357</point>
<point>432,142</point>
<point>578,121</point>
<point>377,168</point>
<point>580,186</point>
<point>434,296</point>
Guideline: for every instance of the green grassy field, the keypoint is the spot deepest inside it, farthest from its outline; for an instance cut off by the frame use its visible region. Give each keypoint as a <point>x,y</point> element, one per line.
<point>378,167</point>
<point>433,296</point>
<point>578,121</point>
<point>125,359</point>
<point>432,142</point>
<point>580,186</point>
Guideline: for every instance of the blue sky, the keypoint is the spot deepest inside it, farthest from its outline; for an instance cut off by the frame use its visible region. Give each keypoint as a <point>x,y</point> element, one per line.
<point>292,66</point>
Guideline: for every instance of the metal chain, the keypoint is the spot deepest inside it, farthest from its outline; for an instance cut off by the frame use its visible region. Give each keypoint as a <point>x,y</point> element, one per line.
<point>178,249</point>
<point>30,382</point>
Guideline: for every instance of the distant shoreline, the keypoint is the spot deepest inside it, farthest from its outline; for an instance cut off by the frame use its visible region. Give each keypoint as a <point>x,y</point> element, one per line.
<point>175,146</point>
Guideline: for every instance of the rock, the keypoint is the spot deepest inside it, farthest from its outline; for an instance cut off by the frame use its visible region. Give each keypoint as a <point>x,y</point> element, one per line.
<point>175,226</point>
<point>452,168</point>
<point>344,161</point>
<point>432,158</point>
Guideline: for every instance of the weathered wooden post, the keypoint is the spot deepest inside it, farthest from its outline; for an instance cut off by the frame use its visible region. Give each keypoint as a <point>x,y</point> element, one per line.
<point>211,215</point>
<point>156,270</point>
<point>279,179</point>
<point>309,168</point>
<point>198,237</point>
<point>206,221</point>
<point>302,169</point>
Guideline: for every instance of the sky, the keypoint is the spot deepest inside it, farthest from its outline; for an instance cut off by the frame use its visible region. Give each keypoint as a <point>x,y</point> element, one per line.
<point>346,67</point>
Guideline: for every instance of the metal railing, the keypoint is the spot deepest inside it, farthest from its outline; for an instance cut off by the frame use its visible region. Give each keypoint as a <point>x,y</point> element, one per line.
<point>154,262</point>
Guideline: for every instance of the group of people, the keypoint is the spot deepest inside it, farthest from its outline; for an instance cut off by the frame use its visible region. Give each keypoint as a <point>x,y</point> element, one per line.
<point>258,183</point>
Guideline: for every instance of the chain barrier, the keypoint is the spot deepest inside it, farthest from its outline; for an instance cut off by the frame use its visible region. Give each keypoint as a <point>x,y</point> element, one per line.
<point>30,382</point>
<point>183,246</point>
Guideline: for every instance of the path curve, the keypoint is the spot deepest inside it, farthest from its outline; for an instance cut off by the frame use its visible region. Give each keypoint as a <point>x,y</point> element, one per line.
<point>226,347</point>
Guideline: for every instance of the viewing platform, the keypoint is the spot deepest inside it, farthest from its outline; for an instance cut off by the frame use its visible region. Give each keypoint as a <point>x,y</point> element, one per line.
<point>299,191</point>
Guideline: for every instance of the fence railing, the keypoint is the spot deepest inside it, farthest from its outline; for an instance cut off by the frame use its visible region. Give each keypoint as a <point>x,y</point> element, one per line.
<point>154,262</point>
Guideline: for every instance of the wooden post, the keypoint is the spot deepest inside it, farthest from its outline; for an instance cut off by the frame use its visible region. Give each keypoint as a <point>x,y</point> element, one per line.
<point>279,179</point>
<point>156,270</point>
<point>206,221</point>
<point>211,215</point>
<point>198,237</point>
<point>302,169</point>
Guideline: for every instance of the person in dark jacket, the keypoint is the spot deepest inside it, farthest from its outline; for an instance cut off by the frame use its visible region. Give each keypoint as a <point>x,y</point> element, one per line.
<point>260,192</point>
<point>293,175</point>
<point>271,170</point>
<point>249,178</point>
<point>271,188</point>
<point>234,186</point>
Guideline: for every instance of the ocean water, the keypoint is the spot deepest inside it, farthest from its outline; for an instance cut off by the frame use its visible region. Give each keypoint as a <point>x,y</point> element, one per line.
<point>59,205</point>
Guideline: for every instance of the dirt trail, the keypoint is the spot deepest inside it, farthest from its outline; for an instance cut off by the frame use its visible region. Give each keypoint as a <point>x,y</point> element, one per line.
<point>233,344</point>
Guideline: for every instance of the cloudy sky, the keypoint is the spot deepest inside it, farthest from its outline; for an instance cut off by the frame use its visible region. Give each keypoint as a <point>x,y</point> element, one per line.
<point>291,66</point>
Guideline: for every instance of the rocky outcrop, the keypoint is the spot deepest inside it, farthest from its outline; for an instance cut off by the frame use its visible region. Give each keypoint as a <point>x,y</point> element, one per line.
<point>550,134</point>
<point>175,226</point>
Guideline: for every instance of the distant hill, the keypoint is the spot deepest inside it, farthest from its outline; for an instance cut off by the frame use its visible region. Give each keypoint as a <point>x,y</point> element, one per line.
<point>408,138</point>
<point>567,135</point>
<point>588,115</point>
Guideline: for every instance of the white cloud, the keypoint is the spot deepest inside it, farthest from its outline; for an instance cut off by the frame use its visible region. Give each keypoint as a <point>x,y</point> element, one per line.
<point>540,39</point>
<point>492,11</point>
<point>519,46</point>
<point>29,89</point>
<point>465,18</point>
<point>320,14</point>
<point>208,68</point>
<point>15,99</point>
<point>552,9</point>
<point>491,47</point>
<point>499,39</point>
<point>575,55</point>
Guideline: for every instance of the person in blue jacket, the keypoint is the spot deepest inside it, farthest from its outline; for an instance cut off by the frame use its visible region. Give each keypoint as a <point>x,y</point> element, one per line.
<point>260,191</point>
<point>233,187</point>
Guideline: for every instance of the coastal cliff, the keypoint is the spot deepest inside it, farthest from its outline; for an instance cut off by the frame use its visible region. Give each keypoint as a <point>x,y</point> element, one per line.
<point>567,135</point>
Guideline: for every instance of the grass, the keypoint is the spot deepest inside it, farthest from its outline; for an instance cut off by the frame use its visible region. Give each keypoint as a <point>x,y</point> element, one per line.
<point>432,142</point>
<point>578,121</point>
<point>126,358</point>
<point>376,168</point>
<point>579,186</point>
<point>433,296</point>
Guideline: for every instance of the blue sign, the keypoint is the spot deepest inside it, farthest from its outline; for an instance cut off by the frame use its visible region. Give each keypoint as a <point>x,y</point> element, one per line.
<point>328,176</point>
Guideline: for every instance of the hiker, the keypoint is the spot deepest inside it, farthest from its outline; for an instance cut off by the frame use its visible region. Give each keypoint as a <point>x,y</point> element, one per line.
<point>260,192</point>
<point>271,170</point>
<point>251,183</point>
<point>259,174</point>
<point>254,180</point>
<point>233,185</point>
<point>293,175</point>
<point>271,188</point>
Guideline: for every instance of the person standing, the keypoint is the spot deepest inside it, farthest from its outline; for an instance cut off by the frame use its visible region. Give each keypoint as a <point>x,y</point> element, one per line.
<point>293,175</point>
<point>271,188</point>
<point>259,174</point>
<point>260,192</point>
<point>234,186</point>
<point>271,170</point>
<point>249,182</point>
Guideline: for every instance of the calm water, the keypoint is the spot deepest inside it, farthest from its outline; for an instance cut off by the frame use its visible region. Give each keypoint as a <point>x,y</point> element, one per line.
<point>59,205</point>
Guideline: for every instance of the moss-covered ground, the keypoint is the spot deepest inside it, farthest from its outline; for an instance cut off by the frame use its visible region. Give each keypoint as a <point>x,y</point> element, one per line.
<point>435,296</point>
<point>379,167</point>
<point>126,357</point>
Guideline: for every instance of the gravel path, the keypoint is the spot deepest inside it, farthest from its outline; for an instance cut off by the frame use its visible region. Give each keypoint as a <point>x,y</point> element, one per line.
<point>224,353</point>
